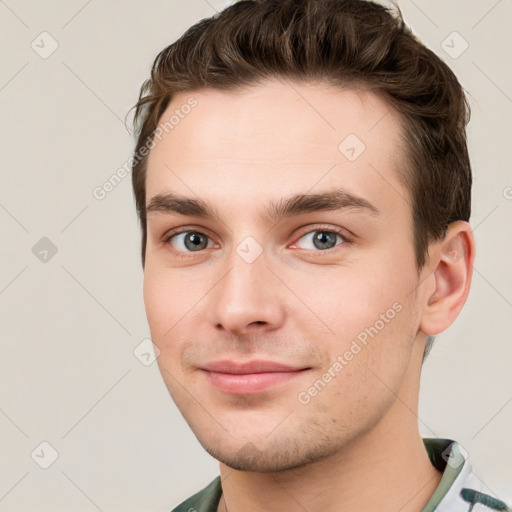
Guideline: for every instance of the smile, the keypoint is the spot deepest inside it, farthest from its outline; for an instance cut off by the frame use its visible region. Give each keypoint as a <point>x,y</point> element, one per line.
<point>249,377</point>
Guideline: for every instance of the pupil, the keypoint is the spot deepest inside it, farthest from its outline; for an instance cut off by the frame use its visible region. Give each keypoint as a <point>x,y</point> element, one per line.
<point>193,241</point>
<point>323,238</point>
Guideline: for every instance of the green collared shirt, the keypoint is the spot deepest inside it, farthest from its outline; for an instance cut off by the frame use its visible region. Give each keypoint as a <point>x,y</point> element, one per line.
<point>458,490</point>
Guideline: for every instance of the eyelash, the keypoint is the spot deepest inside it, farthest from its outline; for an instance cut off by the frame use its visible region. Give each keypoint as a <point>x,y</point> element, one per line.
<point>347,239</point>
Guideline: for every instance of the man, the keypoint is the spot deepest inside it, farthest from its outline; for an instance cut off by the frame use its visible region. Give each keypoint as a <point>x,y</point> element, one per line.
<point>303,184</point>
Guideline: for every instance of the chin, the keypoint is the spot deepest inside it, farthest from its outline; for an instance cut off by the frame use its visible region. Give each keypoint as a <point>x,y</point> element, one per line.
<point>279,454</point>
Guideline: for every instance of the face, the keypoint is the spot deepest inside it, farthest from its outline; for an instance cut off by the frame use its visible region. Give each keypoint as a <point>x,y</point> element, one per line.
<point>280,281</point>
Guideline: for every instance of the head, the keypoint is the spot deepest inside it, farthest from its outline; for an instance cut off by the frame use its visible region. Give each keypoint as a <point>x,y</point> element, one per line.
<point>303,185</point>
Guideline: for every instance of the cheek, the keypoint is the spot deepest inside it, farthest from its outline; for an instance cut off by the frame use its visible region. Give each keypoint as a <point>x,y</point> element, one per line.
<point>174,304</point>
<point>370,320</point>
<point>166,299</point>
<point>155,301</point>
<point>164,305</point>
<point>169,292</point>
<point>347,300</point>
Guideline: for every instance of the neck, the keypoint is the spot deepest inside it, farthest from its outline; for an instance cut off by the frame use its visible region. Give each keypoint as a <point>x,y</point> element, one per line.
<point>385,469</point>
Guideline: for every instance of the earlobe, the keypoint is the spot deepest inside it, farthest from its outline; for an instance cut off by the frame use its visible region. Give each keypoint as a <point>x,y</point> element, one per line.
<point>453,268</point>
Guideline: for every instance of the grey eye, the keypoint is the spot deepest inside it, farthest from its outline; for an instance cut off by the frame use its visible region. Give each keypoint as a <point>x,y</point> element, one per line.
<point>322,239</point>
<point>190,241</point>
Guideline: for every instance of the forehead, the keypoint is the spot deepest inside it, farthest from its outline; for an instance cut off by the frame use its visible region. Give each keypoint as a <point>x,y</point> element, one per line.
<point>276,138</point>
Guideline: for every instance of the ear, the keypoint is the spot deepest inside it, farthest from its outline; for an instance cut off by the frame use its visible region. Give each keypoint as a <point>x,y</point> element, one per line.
<point>447,288</point>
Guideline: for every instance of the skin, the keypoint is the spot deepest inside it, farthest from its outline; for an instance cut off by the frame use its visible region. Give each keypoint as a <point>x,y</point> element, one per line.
<point>298,304</point>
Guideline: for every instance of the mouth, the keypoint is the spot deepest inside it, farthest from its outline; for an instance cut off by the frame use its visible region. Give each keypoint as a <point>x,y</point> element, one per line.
<point>245,378</point>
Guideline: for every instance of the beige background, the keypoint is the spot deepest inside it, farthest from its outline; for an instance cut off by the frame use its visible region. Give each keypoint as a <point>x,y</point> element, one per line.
<point>70,323</point>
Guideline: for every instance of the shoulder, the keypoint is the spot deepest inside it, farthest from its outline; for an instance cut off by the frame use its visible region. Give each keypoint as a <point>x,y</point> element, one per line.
<point>206,500</point>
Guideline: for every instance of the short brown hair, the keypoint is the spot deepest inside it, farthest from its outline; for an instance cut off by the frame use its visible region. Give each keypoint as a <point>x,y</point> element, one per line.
<point>347,43</point>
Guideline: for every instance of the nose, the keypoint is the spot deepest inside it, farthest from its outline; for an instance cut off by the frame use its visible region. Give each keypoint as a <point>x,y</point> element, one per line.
<point>247,298</point>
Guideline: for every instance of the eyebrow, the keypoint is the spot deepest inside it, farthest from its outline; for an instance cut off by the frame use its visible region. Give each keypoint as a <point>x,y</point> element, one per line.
<point>297,204</point>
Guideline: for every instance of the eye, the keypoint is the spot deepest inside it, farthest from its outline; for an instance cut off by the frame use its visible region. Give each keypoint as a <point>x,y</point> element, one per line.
<point>316,240</point>
<point>321,239</point>
<point>189,241</point>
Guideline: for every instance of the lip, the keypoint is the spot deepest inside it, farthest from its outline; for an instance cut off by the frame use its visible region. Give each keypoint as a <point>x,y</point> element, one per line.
<point>249,377</point>
<point>243,367</point>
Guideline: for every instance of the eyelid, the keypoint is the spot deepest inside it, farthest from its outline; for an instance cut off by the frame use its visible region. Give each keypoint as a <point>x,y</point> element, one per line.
<point>347,238</point>
<point>185,229</point>
<point>166,240</point>
<point>343,232</point>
